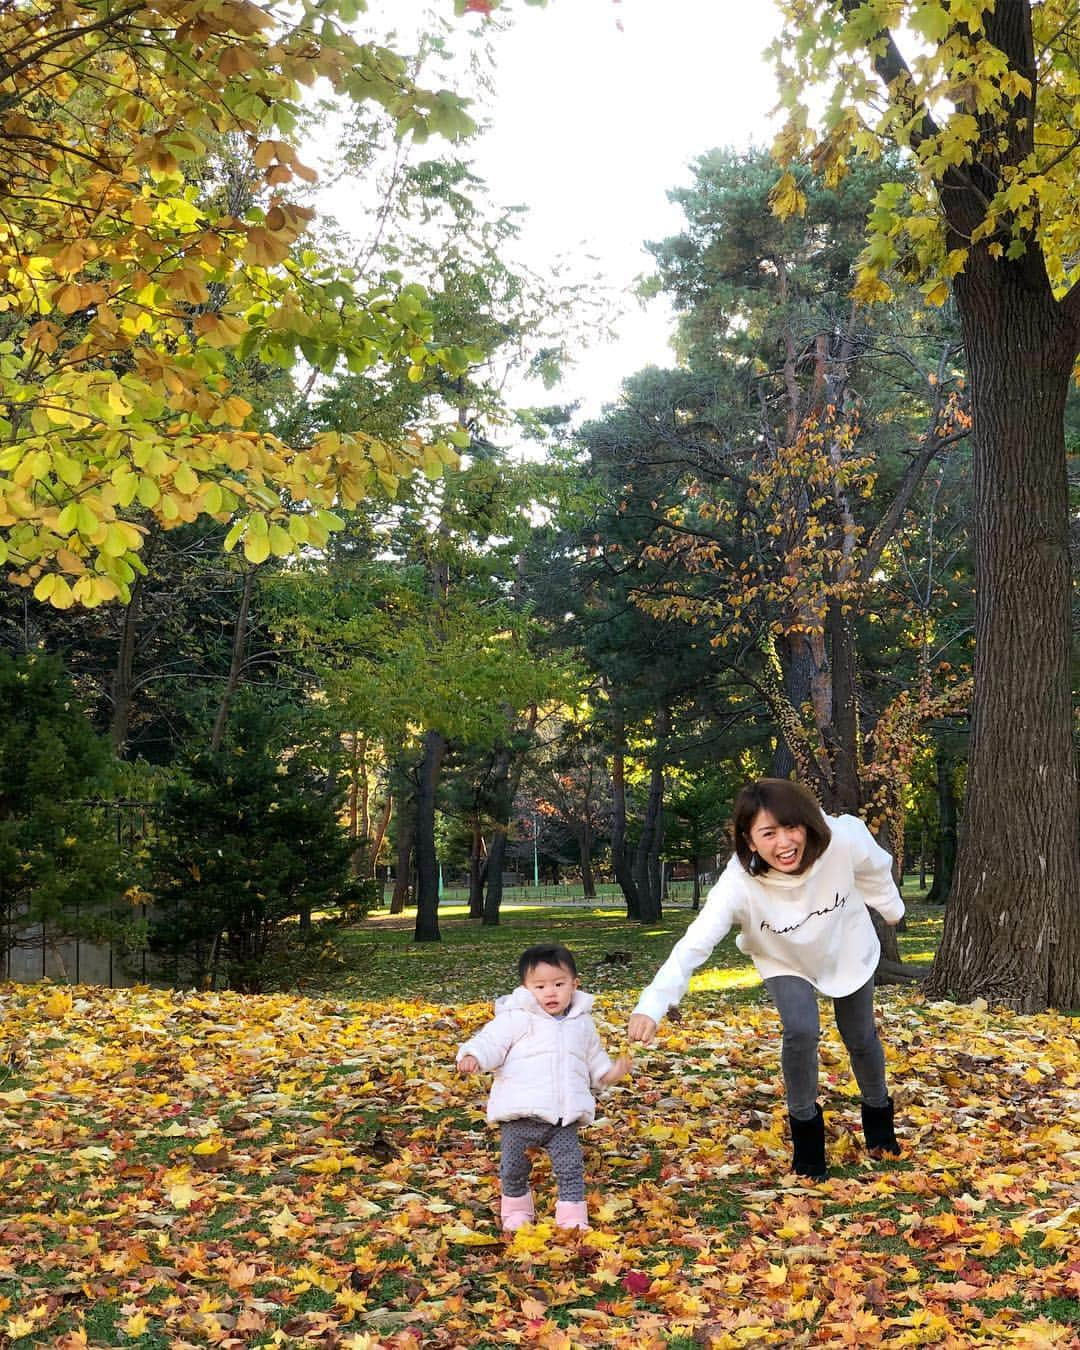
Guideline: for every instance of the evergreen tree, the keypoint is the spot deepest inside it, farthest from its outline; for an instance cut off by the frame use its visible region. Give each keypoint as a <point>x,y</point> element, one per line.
<point>250,841</point>
<point>58,864</point>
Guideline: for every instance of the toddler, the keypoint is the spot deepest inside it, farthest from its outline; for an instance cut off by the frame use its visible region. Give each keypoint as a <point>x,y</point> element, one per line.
<point>547,1059</point>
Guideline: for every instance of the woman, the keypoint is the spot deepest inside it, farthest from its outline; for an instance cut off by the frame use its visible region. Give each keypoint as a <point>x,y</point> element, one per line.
<point>798,890</point>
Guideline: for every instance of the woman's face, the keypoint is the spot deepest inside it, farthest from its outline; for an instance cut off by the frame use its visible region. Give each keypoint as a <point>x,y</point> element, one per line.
<point>781,846</point>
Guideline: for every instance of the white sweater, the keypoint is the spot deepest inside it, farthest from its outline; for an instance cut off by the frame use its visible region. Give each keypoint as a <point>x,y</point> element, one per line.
<point>814,925</point>
<point>544,1066</point>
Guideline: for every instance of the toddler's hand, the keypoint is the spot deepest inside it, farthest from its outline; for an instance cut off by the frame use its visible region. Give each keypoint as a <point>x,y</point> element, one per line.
<point>618,1071</point>
<point>468,1064</point>
<point>641,1029</point>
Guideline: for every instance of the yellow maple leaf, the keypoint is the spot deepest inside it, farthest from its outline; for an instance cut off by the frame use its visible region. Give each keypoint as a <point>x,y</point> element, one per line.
<point>136,1324</point>
<point>58,1004</point>
<point>182,1194</point>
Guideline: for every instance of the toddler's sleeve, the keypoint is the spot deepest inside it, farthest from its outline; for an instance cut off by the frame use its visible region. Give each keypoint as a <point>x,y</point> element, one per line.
<point>599,1060</point>
<point>491,1044</point>
<point>711,926</point>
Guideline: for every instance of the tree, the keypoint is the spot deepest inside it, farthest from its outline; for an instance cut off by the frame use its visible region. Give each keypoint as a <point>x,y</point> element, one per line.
<point>700,809</point>
<point>802,431</point>
<point>569,781</point>
<point>985,107</point>
<point>248,839</point>
<point>131,289</point>
<point>58,867</point>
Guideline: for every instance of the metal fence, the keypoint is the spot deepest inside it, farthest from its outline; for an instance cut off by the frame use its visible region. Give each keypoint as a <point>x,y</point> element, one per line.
<point>32,952</point>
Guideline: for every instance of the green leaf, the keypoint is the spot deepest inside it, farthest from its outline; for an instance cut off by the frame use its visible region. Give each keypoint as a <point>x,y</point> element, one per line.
<point>931,21</point>
<point>256,547</point>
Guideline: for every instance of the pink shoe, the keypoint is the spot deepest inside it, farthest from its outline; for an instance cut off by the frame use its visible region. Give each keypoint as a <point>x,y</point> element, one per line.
<point>572,1214</point>
<point>514,1210</point>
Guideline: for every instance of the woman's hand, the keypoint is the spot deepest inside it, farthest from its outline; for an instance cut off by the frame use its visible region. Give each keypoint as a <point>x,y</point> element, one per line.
<point>468,1064</point>
<point>641,1029</point>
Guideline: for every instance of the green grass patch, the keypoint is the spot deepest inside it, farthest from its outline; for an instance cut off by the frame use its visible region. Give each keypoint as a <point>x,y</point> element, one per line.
<point>473,962</point>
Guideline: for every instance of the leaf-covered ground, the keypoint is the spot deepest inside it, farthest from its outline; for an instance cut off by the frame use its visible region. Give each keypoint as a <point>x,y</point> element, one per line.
<point>210,1170</point>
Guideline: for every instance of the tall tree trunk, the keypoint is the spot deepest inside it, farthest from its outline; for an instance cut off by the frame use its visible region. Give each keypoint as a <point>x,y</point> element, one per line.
<point>842,735</point>
<point>380,833</point>
<point>945,853</point>
<point>657,875</point>
<point>354,793</point>
<point>359,822</point>
<point>476,870</point>
<point>922,858</point>
<point>406,835</point>
<point>360,768</point>
<point>620,861</point>
<point>509,766</point>
<point>236,662</point>
<point>648,849</point>
<point>797,661</point>
<point>1012,928</point>
<point>494,876</point>
<point>427,863</point>
<point>696,903</point>
<point>585,843</point>
<point>124,677</point>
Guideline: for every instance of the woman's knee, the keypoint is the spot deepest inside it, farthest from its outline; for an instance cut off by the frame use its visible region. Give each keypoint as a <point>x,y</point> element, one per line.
<point>801,1038</point>
<point>864,1041</point>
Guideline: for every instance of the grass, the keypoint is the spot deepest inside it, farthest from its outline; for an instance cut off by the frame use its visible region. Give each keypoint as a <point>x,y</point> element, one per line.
<point>473,962</point>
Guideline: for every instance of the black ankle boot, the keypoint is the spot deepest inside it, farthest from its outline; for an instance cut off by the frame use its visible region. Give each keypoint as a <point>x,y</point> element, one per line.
<point>877,1124</point>
<point>808,1138</point>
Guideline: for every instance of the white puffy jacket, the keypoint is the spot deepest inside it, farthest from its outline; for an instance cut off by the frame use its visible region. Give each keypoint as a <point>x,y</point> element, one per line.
<point>544,1066</point>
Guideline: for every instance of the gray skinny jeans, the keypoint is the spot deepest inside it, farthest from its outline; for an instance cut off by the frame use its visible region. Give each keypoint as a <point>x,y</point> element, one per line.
<point>796,1000</point>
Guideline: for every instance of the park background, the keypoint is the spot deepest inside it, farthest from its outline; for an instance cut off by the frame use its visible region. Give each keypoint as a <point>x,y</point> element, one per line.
<point>446,453</point>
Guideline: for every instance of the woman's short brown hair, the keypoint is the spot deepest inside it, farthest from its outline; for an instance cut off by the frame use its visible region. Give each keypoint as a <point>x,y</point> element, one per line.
<point>791,804</point>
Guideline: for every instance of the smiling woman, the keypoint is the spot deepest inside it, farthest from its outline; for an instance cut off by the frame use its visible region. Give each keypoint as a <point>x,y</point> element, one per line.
<point>799,890</point>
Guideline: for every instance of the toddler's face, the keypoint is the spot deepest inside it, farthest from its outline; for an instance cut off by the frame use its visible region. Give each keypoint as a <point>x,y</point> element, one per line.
<point>552,987</point>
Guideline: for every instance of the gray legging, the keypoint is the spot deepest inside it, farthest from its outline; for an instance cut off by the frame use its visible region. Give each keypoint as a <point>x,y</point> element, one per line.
<point>796,1001</point>
<point>563,1147</point>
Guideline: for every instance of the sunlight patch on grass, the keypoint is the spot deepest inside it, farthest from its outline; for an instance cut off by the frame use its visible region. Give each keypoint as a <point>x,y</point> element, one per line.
<point>711,981</point>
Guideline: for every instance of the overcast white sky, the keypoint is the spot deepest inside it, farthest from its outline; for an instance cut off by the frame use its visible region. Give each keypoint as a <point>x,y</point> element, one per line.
<point>593,123</point>
<point>599,108</point>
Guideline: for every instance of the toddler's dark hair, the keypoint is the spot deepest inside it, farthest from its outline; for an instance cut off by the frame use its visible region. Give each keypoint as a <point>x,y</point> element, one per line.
<point>546,954</point>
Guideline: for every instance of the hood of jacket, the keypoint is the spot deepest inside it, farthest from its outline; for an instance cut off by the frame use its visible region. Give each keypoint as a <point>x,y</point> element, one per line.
<point>523,1000</point>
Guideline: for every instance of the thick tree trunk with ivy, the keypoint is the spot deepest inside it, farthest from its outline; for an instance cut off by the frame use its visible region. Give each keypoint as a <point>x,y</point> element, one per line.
<point>427,863</point>
<point>1012,929</point>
